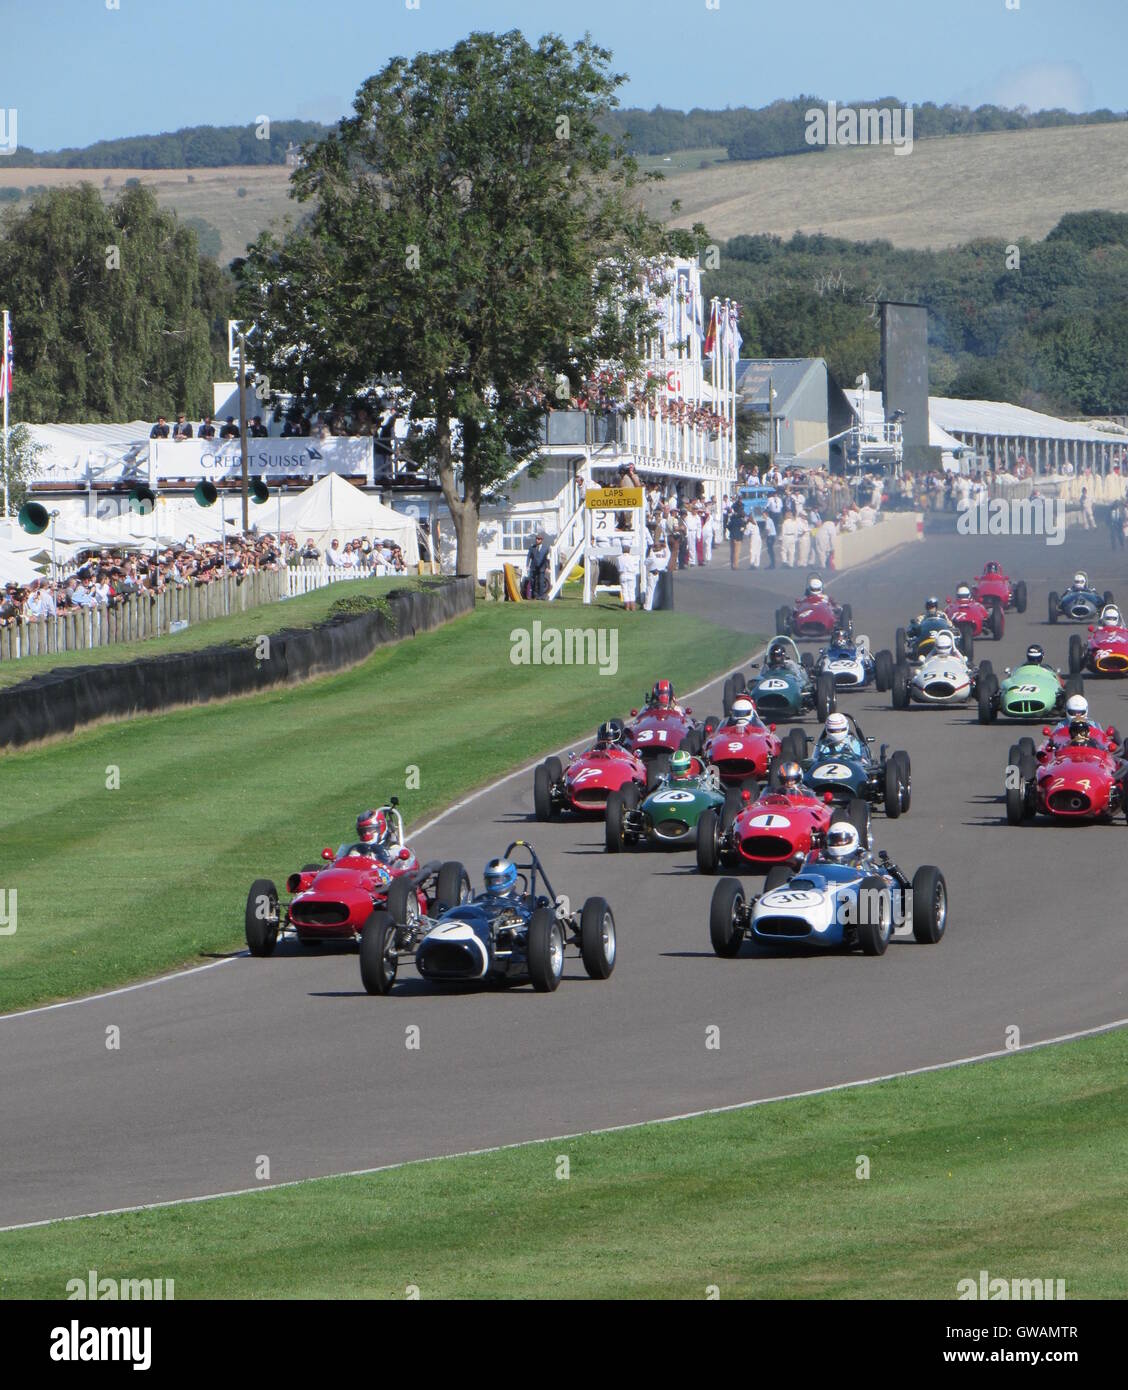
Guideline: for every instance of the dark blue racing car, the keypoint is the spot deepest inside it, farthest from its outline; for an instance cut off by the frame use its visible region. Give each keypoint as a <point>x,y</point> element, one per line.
<point>851,663</point>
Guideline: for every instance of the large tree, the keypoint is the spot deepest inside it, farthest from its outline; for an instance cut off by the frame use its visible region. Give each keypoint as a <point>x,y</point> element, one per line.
<point>476,239</point>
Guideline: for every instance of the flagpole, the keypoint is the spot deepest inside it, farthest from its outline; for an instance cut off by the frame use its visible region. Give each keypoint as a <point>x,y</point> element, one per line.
<point>4,382</point>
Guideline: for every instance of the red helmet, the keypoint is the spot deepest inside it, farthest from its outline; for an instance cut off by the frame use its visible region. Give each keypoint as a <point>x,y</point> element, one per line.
<point>372,827</point>
<point>663,694</point>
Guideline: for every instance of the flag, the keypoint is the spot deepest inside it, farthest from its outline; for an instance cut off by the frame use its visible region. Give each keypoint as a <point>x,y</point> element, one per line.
<point>734,321</point>
<point>711,334</point>
<point>7,366</point>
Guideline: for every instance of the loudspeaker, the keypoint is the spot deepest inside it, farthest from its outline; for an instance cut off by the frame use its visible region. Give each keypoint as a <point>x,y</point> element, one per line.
<point>259,491</point>
<point>205,493</point>
<point>33,518</point>
<point>142,499</point>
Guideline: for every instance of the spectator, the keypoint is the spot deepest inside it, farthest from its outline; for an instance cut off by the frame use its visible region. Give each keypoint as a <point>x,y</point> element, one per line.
<point>258,429</point>
<point>182,429</point>
<point>230,429</point>
<point>734,529</point>
<point>536,566</point>
<point>206,429</point>
<point>160,429</point>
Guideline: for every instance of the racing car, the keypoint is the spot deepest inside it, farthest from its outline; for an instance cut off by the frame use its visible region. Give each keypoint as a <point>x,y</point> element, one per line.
<point>1080,603</point>
<point>916,641</point>
<point>1106,651</point>
<point>778,827</point>
<point>1031,691</point>
<point>852,663</point>
<point>984,618</point>
<point>843,896</point>
<point>331,901</point>
<point>1082,780</point>
<point>667,815</point>
<point>515,931</point>
<point>742,746</point>
<point>842,764</point>
<point>583,786</point>
<point>994,586</point>
<point>816,614</point>
<point>944,677</point>
<point>786,686</point>
<point>662,726</point>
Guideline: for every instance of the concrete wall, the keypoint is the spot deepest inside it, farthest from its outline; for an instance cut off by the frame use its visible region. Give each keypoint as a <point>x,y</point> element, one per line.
<point>894,529</point>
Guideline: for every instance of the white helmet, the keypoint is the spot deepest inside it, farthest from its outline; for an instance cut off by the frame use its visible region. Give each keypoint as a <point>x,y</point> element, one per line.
<point>1077,707</point>
<point>814,585</point>
<point>943,644</point>
<point>963,592</point>
<point>1080,581</point>
<point>837,727</point>
<point>1110,615</point>
<point>743,709</point>
<point>842,840</point>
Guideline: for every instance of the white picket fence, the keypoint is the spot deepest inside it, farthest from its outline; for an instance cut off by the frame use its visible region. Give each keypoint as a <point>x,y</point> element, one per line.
<point>303,579</point>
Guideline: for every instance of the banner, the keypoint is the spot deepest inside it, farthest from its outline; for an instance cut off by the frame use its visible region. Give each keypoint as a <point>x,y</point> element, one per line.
<point>612,499</point>
<point>211,458</point>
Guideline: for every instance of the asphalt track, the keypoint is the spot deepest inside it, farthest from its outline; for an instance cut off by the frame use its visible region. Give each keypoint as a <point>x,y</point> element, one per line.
<point>288,1058</point>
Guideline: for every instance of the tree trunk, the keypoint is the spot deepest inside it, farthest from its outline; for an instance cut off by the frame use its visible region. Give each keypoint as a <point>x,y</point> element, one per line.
<point>463,510</point>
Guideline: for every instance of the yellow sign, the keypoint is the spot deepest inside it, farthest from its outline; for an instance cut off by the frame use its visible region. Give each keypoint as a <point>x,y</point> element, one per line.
<point>613,499</point>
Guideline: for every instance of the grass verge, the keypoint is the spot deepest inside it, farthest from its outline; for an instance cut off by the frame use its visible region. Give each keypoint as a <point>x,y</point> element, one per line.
<point>1014,1166</point>
<point>131,845</point>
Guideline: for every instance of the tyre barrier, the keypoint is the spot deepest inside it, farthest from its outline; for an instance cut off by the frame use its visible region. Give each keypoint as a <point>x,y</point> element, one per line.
<point>60,701</point>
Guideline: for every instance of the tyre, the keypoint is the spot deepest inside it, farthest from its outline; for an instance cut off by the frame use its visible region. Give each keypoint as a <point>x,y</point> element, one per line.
<point>453,886</point>
<point>402,903</point>
<point>846,617</point>
<point>378,963</point>
<point>875,925</point>
<point>734,804</point>
<point>1014,754</point>
<point>777,876</point>
<point>967,640</point>
<point>807,660</point>
<point>555,769</point>
<point>631,795</point>
<point>900,687</point>
<point>692,743</point>
<point>656,768</point>
<point>883,671</point>
<point>986,669</point>
<point>1076,655</point>
<point>901,758</point>
<point>773,772</point>
<point>892,789</point>
<point>799,745</point>
<point>1016,805</point>
<point>1026,745</point>
<point>930,904</point>
<point>613,823</point>
<point>725,912</point>
<point>544,949</point>
<point>739,684</point>
<point>985,699</point>
<point>1108,598</point>
<point>826,700</point>
<point>1027,767</point>
<point>708,842</point>
<point>1074,685</point>
<point>597,938</point>
<point>1054,606</point>
<point>858,814</point>
<point>727,697</point>
<point>542,793</point>
<point>997,622</point>
<point>1019,597</point>
<point>711,722</point>
<point>782,620</point>
<point>900,645</point>
<point>261,921</point>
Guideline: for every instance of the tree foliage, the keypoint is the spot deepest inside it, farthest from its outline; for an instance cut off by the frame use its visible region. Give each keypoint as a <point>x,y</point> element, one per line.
<point>194,147</point>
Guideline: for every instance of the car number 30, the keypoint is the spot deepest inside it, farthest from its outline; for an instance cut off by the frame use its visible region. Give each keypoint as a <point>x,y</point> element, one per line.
<point>667,798</point>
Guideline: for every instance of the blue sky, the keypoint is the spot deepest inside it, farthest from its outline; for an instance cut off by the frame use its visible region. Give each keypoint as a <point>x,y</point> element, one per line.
<point>77,71</point>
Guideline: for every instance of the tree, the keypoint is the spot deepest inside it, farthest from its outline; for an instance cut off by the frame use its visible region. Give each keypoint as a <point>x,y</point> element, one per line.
<point>475,238</point>
<point>19,464</point>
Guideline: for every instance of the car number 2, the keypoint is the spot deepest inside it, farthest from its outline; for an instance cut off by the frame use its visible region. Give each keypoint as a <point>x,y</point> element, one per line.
<point>832,771</point>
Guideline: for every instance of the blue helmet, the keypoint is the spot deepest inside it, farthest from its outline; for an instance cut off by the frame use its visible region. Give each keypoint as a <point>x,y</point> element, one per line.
<point>500,876</point>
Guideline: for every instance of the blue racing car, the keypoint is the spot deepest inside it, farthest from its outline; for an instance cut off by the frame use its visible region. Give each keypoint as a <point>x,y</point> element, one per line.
<point>515,931</point>
<point>851,663</point>
<point>842,765</point>
<point>1080,603</point>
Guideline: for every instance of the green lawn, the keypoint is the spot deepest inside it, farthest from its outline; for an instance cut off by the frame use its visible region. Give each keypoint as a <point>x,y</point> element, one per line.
<point>302,611</point>
<point>116,885</point>
<point>1014,1166</point>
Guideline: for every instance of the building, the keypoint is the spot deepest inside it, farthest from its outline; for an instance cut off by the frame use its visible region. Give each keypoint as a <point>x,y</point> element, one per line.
<point>801,408</point>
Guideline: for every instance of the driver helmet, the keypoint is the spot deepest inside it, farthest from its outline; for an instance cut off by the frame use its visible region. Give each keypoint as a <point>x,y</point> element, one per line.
<point>1080,581</point>
<point>663,695</point>
<point>372,827</point>
<point>743,709</point>
<point>790,776</point>
<point>610,732</point>
<point>991,567</point>
<point>963,592</point>
<point>500,876</point>
<point>1035,654</point>
<point>842,840</point>
<point>814,585</point>
<point>777,654</point>
<point>680,764</point>
<point>931,607</point>
<point>1079,731</point>
<point>837,728</point>
<point>1077,709</point>
<point>944,644</point>
<point>1110,616</point>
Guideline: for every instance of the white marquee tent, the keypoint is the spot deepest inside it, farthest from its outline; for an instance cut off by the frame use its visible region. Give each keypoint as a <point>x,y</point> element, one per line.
<point>333,509</point>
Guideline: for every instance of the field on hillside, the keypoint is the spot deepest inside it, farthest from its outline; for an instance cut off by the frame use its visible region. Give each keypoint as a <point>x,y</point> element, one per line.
<point>1010,184</point>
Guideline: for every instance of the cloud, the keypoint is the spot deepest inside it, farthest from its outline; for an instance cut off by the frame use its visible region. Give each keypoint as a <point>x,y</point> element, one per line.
<point>1039,86</point>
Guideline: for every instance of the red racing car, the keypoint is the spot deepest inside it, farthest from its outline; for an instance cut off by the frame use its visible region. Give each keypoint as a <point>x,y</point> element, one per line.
<point>333,901</point>
<point>1077,781</point>
<point>589,778</point>
<point>661,727</point>
<point>742,746</point>
<point>1106,651</point>
<point>815,615</point>
<point>994,584</point>
<point>985,619</point>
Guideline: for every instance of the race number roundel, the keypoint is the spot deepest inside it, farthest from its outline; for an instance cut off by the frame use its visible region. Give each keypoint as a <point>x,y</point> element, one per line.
<point>769,822</point>
<point>671,798</point>
<point>832,771</point>
<point>773,683</point>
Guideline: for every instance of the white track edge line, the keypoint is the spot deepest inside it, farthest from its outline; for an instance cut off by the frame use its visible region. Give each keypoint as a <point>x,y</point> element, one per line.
<point>997,1055</point>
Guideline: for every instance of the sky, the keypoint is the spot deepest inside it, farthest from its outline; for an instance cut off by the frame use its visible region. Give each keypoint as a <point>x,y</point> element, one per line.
<point>76,71</point>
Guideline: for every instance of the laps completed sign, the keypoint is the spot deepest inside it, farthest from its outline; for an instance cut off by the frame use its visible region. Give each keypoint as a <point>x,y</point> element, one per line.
<point>613,499</point>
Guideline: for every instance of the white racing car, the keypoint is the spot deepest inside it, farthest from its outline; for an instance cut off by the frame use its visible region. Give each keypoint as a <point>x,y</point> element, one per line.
<point>944,677</point>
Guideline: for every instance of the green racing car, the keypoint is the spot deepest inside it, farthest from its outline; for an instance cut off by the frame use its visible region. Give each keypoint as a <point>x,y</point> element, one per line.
<point>668,814</point>
<point>1032,691</point>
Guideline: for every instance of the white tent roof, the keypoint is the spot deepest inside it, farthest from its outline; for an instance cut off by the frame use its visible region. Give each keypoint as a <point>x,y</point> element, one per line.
<point>334,509</point>
<point>108,450</point>
<point>998,417</point>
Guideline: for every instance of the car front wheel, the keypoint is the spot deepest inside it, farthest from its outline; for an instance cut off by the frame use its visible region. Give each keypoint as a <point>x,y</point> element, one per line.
<point>597,938</point>
<point>378,963</point>
<point>545,950</point>
<point>261,921</point>
<point>725,913</point>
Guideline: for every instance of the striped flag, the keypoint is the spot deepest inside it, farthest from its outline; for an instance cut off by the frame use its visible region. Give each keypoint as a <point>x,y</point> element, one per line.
<point>711,334</point>
<point>7,366</point>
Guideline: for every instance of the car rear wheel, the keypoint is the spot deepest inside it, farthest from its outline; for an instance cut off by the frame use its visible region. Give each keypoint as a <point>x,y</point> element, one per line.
<point>734,804</point>
<point>1016,804</point>
<point>875,916</point>
<point>1026,745</point>
<point>857,812</point>
<point>692,743</point>
<point>985,699</point>
<point>597,938</point>
<point>1076,655</point>
<point>900,687</point>
<point>1054,606</point>
<point>261,921</point>
<point>901,758</point>
<point>996,621</point>
<point>1108,598</point>
<point>725,912</point>
<point>708,842</point>
<point>883,671</point>
<point>777,877</point>
<point>826,700</point>
<point>799,745</point>
<point>1019,597</point>
<point>807,661</point>
<point>545,950</point>
<point>613,823</point>
<point>656,768</point>
<point>782,619</point>
<point>846,616</point>
<point>967,639</point>
<point>930,904</point>
<point>453,886</point>
<point>378,962</point>
<point>901,645</point>
<point>403,901</point>
<point>892,789</point>
<point>542,793</point>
